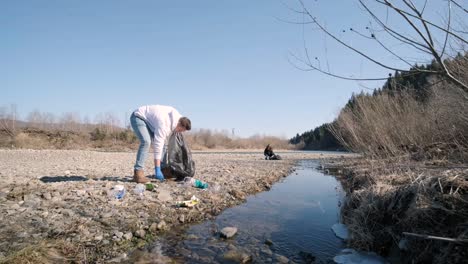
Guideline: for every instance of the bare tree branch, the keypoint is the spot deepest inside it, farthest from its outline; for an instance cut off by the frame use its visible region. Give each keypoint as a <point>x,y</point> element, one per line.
<point>429,23</point>
<point>424,41</point>
<point>448,27</point>
<point>458,5</point>
<point>429,43</point>
<point>311,67</point>
<point>420,18</point>
<point>424,7</point>
<point>394,33</point>
<point>391,52</point>
<point>343,43</point>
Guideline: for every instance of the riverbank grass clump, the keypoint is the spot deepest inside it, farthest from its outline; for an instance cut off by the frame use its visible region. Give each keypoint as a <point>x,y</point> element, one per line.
<point>45,252</point>
<point>412,179</point>
<point>385,204</point>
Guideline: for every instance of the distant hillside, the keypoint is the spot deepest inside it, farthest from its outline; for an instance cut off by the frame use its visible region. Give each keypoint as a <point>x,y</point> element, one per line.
<point>319,138</point>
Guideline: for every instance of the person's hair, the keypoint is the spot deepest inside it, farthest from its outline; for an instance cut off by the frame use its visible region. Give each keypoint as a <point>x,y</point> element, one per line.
<point>185,123</point>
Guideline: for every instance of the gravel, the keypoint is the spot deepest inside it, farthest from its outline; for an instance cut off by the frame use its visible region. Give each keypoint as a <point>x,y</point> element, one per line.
<point>68,194</point>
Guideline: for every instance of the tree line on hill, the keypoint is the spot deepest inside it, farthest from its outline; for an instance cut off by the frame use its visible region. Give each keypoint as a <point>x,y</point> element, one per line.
<point>398,110</point>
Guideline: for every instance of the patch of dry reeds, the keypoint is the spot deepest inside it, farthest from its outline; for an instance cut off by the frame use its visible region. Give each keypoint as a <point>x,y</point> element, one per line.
<point>46,252</point>
<point>390,125</point>
<point>388,197</point>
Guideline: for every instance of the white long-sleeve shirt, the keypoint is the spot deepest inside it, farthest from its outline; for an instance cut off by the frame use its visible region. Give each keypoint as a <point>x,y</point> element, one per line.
<point>162,120</point>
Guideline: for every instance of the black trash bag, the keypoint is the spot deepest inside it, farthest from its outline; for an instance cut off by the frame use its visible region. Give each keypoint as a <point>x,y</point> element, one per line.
<point>177,162</point>
<point>275,157</point>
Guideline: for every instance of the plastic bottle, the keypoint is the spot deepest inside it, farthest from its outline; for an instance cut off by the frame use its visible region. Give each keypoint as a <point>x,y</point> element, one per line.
<point>214,188</point>
<point>189,181</point>
<point>119,191</point>
<point>139,189</point>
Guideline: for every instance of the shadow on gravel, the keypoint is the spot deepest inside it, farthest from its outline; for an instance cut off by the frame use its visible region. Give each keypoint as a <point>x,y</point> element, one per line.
<point>115,178</point>
<point>48,179</point>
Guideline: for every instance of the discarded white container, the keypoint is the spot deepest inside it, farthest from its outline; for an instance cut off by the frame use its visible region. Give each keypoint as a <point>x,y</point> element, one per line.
<point>119,191</point>
<point>341,231</point>
<point>214,188</point>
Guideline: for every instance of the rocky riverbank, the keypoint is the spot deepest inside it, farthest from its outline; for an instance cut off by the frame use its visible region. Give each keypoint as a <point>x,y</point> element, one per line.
<point>59,204</point>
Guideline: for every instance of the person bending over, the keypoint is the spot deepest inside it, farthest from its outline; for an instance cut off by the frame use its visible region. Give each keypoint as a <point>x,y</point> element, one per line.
<point>155,123</point>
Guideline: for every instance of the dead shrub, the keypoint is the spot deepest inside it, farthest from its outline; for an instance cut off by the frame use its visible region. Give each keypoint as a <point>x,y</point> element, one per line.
<point>24,140</point>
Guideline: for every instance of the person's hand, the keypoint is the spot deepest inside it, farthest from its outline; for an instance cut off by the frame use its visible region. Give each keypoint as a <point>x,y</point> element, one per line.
<point>158,173</point>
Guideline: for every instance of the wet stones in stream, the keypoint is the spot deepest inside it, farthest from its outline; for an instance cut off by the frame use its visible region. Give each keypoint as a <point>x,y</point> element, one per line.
<point>228,232</point>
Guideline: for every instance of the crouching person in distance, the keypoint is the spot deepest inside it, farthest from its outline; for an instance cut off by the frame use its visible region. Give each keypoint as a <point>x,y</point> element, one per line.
<point>269,154</point>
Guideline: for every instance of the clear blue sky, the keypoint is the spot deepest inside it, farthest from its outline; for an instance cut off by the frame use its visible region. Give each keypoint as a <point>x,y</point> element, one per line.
<point>224,64</point>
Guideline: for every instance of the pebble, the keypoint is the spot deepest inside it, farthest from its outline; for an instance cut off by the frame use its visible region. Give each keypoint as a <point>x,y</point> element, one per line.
<point>162,225</point>
<point>47,196</point>
<point>228,232</point>
<point>266,251</point>
<point>164,196</point>
<point>140,233</point>
<point>22,235</point>
<point>118,259</point>
<point>119,234</point>
<point>192,237</point>
<point>281,259</point>
<point>81,192</point>
<point>237,256</point>
<point>128,235</point>
<point>182,218</point>
<point>153,228</point>
<point>106,215</point>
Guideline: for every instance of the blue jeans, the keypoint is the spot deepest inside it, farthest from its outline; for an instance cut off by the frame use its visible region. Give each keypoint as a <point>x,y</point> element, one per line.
<point>144,134</point>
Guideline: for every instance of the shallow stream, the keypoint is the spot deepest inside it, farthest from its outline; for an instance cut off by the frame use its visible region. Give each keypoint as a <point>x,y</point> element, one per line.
<point>291,222</point>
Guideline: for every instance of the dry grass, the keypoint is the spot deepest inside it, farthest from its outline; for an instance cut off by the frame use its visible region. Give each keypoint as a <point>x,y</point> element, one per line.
<point>398,125</point>
<point>125,140</point>
<point>205,139</point>
<point>384,201</point>
<point>414,174</point>
<point>47,252</point>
